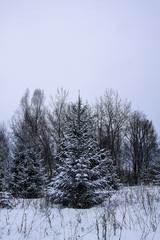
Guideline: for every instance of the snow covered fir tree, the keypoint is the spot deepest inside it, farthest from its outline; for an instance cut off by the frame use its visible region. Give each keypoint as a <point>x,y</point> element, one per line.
<point>154,173</point>
<point>5,161</point>
<point>4,158</point>
<point>84,170</point>
<point>28,174</point>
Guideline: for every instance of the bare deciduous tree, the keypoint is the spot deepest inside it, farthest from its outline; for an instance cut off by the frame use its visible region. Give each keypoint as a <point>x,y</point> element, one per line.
<point>57,113</point>
<point>111,116</point>
<point>142,145</point>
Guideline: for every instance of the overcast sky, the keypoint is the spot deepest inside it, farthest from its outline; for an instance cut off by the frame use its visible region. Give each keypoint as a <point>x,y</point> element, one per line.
<point>91,45</point>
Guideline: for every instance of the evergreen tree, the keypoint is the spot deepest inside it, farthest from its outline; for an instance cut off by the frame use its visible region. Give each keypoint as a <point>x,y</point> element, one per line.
<point>5,161</point>
<point>82,169</point>
<point>154,173</point>
<point>4,158</point>
<point>28,174</point>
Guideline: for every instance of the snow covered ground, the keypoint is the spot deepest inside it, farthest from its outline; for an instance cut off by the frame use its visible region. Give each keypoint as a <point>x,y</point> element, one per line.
<point>130,214</point>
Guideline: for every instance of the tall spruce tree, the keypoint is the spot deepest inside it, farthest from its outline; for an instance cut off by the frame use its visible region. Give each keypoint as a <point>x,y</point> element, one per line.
<point>83,166</point>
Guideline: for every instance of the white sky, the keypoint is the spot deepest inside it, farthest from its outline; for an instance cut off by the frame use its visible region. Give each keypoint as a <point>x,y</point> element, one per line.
<point>89,45</point>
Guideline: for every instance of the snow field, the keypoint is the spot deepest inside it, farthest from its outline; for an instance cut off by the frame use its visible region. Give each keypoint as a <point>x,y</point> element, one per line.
<point>132,213</point>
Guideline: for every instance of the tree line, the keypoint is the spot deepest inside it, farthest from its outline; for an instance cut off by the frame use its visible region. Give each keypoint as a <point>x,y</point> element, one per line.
<point>75,148</point>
